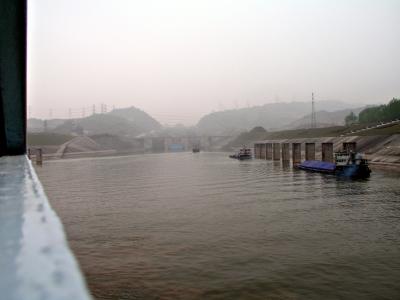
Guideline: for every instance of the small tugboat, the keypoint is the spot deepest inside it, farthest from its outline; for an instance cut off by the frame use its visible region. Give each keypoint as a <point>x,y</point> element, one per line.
<point>244,153</point>
<point>347,164</point>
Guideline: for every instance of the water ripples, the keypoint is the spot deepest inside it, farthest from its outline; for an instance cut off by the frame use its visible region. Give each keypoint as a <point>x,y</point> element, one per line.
<point>202,226</point>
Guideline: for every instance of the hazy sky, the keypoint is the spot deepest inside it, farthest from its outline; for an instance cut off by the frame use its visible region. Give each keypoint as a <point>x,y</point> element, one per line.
<point>178,60</point>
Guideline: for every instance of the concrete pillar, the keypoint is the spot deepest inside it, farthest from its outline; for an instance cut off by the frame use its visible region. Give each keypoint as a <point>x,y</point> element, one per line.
<point>277,151</point>
<point>262,151</point>
<point>148,144</point>
<point>167,143</point>
<point>205,143</point>
<point>310,151</point>
<point>265,150</point>
<point>286,164</point>
<point>351,146</point>
<point>210,143</point>
<point>186,143</point>
<point>327,152</point>
<point>268,151</point>
<point>285,152</point>
<point>296,153</point>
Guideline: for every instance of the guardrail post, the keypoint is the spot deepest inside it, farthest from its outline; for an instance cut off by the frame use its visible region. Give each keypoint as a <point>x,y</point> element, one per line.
<point>39,156</point>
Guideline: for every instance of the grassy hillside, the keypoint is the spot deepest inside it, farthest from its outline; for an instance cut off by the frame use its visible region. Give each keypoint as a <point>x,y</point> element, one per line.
<point>324,119</point>
<point>381,113</point>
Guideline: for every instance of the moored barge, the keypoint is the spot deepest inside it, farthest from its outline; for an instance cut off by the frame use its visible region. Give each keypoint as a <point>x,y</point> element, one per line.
<point>347,164</point>
<point>244,153</point>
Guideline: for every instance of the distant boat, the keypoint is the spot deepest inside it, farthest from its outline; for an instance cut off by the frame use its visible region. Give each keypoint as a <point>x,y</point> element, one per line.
<point>347,164</point>
<point>196,149</point>
<point>244,153</point>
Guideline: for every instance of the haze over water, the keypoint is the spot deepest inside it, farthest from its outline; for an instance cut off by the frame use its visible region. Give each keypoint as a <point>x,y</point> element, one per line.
<point>202,226</point>
<point>179,60</point>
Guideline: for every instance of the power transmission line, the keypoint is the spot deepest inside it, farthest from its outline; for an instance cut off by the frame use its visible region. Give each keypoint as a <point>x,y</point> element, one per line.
<point>313,114</point>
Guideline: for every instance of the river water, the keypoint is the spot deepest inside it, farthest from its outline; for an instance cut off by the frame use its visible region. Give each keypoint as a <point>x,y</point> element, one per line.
<point>203,226</point>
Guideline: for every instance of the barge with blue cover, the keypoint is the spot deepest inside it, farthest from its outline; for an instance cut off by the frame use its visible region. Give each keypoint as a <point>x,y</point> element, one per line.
<point>346,164</point>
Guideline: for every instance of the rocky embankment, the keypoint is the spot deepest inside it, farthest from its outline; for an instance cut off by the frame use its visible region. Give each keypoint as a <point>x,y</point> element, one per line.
<point>82,146</point>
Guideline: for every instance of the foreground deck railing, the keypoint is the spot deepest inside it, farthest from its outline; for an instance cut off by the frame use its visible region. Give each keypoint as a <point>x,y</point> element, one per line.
<point>35,260</point>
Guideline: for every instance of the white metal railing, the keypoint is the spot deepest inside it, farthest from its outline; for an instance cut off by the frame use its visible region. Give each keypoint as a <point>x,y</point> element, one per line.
<point>35,260</point>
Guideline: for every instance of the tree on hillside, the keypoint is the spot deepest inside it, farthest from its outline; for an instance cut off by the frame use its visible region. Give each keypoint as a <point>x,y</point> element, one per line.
<point>350,119</point>
<point>393,109</point>
<point>258,130</point>
<point>381,113</point>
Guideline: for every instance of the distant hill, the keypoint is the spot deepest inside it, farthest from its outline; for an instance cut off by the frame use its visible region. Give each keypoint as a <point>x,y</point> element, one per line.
<point>38,125</point>
<point>324,119</point>
<point>269,116</point>
<point>99,124</point>
<point>123,122</point>
<point>247,138</point>
<point>140,119</point>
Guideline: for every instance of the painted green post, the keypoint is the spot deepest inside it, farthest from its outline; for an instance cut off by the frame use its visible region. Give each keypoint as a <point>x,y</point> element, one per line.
<point>12,77</point>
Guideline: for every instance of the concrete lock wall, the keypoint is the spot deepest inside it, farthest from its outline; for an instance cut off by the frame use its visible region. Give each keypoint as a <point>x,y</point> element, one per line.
<point>310,151</point>
<point>296,153</point>
<point>276,151</point>
<point>327,152</point>
<point>269,151</point>
<point>285,152</point>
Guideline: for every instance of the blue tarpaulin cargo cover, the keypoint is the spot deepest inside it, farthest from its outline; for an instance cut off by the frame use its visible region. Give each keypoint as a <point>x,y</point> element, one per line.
<point>317,165</point>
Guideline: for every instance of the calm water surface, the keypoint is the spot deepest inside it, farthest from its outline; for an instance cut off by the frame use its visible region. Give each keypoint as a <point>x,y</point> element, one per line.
<point>203,226</point>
